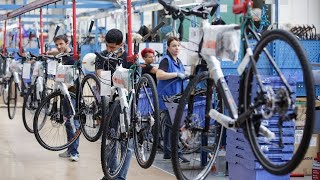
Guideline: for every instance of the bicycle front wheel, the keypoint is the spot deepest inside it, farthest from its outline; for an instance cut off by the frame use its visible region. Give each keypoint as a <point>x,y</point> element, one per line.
<point>30,104</point>
<point>12,98</point>
<point>194,131</point>
<point>146,121</point>
<point>114,144</point>
<point>272,91</point>
<point>52,124</point>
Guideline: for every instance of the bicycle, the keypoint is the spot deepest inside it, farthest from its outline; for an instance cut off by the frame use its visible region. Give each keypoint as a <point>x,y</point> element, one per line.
<point>83,111</point>
<point>259,100</point>
<point>6,76</point>
<point>128,118</point>
<point>16,83</point>
<point>37,91</point>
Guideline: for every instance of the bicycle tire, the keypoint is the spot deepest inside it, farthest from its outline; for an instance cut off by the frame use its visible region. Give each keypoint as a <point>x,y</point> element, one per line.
<point>182,146</point>
<point>216,130</point>
<point>110,172</point>
<point>12,100</point>
<point>58,123</point>
<point>4,92</point>
<point>89,128</point>
<point>28,122</point>
<point>161,131</point>
<point>146,123</point>
<point>25,107</point>
<point>251,127</point>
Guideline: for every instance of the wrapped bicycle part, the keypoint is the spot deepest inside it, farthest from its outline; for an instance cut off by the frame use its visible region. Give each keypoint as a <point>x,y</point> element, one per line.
<point>121,78</point>
<point>222,41</point>
<point>16,66</point>
<point>66,74</point>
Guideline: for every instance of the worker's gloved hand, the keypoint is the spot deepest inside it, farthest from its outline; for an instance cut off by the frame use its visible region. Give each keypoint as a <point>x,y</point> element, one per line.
<point>181,76</point>
<point>137,38</point>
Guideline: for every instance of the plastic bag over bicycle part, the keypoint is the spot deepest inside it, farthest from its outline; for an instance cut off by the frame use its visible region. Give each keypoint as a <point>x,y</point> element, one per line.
<point>222,41</point>
<point>66,74</point>
<point>121,78</point>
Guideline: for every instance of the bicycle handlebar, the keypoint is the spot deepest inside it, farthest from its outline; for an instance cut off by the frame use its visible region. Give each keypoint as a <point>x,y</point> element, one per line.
<point>110,57</point>
<point>199,11</point>
<point>58,56</point>
<point>153,31</point>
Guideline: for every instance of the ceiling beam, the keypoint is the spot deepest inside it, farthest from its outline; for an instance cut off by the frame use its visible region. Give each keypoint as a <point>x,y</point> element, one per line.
<point>79,5</point>
<point>29,7</point>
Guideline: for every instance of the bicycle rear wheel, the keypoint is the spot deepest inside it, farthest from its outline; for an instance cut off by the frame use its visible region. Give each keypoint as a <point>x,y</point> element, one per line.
<point>12,98</point>
<point>200,136</point>
<point>146,121</point>
<point>50,124</point>
<point>114,145</point>
<point>276,104</point>
<point>91,108</point>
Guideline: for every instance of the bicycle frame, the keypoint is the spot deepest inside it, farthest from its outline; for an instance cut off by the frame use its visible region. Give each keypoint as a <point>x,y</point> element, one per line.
<point>125,101</point>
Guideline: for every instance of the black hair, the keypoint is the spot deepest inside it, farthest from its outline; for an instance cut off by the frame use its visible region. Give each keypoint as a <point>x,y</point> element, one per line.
<point>114,36</point>
<point>61,37</point>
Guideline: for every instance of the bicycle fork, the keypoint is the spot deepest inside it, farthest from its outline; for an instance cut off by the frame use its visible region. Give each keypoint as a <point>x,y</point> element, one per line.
<point>16,80</point>
<point>67,96</point>
<point>124,113</point>
<point>233,121</point>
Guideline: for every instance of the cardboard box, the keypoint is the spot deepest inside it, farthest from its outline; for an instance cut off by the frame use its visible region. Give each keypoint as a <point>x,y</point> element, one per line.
<point>301,117</point>
<point>305,166</point>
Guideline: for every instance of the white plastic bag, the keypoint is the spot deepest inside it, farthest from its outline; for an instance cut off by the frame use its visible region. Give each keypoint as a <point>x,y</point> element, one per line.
<point>222,41</point>
<point>121,78</point>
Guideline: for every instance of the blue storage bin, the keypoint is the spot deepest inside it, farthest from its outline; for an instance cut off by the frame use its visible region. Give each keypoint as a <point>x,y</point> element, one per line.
<point>239,172</point>
<point>274,122</point>
<point>316,128</point>
<point>143,103</point>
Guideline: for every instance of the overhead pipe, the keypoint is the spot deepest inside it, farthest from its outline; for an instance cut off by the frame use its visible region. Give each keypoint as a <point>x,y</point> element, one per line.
<point>20,35</point>
<point>29,7</point>
<point>41,32</point>
<point>5,37</point>
<point>74,41</point>
<point>130,57</point>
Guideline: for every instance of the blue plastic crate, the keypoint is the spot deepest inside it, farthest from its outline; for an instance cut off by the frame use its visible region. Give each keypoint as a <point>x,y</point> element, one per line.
<point>247,153</point>
<point>274,122</point>
<point>143,103</point>
<point>239,172</point>
<point>198,115</point>
<point>301,89</point>
<point>240,137</point>
<point>267,148</point>
<point>253,165</point>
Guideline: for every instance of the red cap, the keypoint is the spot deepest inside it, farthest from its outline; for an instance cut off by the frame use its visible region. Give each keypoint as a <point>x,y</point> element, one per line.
<point>145,51</point>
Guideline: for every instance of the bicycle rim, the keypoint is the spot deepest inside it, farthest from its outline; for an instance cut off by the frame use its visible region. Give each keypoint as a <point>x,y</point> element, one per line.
<point>278,156</point>
<point>90,107</point>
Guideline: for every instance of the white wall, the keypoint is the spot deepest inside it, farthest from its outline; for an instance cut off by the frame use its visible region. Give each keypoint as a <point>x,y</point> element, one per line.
<point>300,12</point>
